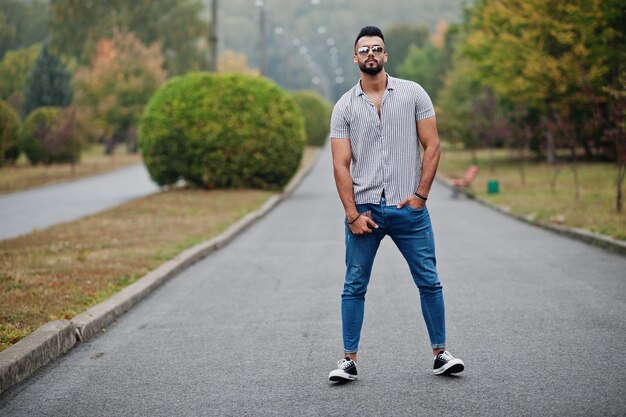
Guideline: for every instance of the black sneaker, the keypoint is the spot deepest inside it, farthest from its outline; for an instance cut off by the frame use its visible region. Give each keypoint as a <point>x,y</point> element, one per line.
<point>445,364</point>
<point>346,371</point>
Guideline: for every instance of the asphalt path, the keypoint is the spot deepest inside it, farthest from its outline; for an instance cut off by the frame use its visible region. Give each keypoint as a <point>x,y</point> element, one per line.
<point>254,329</point>
<point>22,212</point>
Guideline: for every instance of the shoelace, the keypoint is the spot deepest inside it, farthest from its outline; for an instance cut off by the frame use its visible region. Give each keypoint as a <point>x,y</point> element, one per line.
<point>343,364</point>
<point>445,356</point>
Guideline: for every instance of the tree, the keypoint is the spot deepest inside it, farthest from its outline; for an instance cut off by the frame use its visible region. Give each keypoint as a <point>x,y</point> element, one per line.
<point>231,61</point>
<point>48,84</point>
<point>399,39</point>
<point>423,65</point>
<point>541,53</point>
<point>429,63</point>
<point>113,91</point>
<point>9,134</point>
<point>615,136</point>
<point>14,70</point>
<point>22,23</point>
<point>455,108</point>
<point>175,24</point>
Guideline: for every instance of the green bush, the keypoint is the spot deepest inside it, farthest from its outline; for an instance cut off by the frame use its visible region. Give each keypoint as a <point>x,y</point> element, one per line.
<point>49,136</point>
<point>222,131</point>
<point>14,70</point>
<point>316,113</point>
<point>9,134</point>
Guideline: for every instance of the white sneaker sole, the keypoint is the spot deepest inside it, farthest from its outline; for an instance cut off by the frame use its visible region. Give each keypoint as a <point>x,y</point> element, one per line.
<point>452,367</point>
<point>339,375</point>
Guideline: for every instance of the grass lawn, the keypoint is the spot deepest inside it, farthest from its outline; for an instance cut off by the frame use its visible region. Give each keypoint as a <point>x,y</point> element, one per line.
<point>61,271</point>
<point>594,210</point>
<point>23,175</point>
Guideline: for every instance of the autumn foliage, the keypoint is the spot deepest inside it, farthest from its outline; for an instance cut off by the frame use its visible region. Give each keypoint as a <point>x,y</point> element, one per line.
<point>49,136</point>
<point>112,92</point>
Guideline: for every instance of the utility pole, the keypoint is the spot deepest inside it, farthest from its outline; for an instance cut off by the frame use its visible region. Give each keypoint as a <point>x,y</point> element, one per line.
<point>213,36</point>
<point>262,23</point>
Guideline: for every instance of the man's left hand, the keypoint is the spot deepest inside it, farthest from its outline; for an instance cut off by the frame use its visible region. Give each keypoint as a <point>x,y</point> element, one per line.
<point>412,201</point>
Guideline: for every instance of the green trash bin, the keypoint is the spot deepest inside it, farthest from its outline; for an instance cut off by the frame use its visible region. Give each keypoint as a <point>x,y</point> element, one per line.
<point>493,187</point>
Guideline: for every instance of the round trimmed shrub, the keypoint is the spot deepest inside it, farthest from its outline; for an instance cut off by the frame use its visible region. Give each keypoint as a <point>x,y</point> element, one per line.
<point>48,136</point>
<point>316,113</point>
<point>9,133</point>
<point>222,131</point>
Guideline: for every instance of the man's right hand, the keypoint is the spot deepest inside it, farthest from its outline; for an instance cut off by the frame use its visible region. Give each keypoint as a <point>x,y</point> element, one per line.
<point>362,225</point>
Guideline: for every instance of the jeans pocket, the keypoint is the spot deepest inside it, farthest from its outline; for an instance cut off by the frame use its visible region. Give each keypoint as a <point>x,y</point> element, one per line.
<point>417,210</point>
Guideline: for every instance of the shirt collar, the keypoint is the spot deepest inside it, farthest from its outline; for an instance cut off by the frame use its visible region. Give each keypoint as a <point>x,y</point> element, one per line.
<point>391,84</point>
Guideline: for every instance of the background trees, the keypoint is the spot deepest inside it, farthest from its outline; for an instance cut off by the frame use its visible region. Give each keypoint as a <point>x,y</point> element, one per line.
<point>399,39</point>
<point>550,56</point>
<point>177,25</point>
<point>112,92</point>
<point>48,83</point>
<point>310,43</point>
<point>9,130</point>
<point>14,70</point>
<point>22,23</point>
<point>536,75</point>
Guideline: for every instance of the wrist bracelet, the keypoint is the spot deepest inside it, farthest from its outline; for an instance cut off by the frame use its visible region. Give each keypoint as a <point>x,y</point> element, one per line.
<point>421,197</point>
<point>355,219</point>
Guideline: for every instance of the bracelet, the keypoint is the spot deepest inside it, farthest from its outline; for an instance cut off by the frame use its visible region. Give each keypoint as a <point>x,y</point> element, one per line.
<point>421,197</point>
<point>355,219</point>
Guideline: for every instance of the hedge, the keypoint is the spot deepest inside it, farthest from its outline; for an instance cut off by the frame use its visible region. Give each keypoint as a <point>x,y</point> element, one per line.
<point>222,131</point>
<point>48,136</point>
<point>317,113</point>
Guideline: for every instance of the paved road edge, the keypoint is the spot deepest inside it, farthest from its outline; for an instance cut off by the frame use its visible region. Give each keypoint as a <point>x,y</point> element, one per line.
<point>56,338</point>
<point>604,242</point>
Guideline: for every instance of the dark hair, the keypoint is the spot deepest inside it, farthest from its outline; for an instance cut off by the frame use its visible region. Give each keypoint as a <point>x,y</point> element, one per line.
<point>369,31</point>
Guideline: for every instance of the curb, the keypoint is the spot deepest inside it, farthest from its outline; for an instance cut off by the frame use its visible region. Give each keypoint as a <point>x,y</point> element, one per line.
<point>56,338</point>
<point>37,349</point>
<point>601,241</point>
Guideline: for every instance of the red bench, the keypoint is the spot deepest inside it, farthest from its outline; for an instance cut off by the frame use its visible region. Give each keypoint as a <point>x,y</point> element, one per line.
<point>465,182</point>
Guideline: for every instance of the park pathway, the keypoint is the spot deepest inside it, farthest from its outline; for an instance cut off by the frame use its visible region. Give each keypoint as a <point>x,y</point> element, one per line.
<point>254,329</point>
<point>23,211</point>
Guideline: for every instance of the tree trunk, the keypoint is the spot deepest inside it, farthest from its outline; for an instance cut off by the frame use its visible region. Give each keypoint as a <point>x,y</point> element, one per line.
<point>522,166</point>
<point>621,170</point>
<point>550,148</point>
<point>130,134</point>
<point>574,168</point>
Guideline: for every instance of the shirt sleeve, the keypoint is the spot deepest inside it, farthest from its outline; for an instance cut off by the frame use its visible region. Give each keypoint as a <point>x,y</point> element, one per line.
<point>423,105</point>
<point>339,125</point>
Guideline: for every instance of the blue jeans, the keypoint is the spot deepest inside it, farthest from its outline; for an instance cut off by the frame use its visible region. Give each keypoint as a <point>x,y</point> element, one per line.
<point>412,233</point>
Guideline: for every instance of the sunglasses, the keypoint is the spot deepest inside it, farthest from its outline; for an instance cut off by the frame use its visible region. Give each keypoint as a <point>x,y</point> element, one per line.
<point>365,50</point>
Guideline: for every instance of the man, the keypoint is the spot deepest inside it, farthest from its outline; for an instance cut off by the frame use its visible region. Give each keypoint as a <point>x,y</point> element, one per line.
<point>376,129</point>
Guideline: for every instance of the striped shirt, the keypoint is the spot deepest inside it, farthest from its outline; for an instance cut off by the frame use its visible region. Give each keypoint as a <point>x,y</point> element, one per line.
<point>385,150</point>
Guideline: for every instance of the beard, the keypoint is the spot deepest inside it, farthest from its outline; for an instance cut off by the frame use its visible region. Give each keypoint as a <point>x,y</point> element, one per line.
<point>371,70</point>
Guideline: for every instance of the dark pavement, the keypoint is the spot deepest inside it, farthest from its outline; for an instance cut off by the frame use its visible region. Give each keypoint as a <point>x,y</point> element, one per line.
<point>254,329</point>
